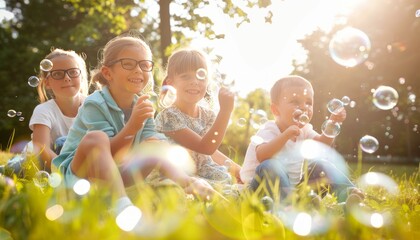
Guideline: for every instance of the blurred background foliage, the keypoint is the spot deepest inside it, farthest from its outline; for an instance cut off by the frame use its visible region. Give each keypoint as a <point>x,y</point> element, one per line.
<point>85,26</point>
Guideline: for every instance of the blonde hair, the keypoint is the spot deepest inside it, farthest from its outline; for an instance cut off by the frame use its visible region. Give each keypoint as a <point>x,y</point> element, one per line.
<point>110,52</point>
<point>185,60</point>
<point>45,94</point>
<point>285,82</point>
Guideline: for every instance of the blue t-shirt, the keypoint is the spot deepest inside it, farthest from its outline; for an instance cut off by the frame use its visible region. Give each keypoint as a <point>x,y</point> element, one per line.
<point>99,112</point>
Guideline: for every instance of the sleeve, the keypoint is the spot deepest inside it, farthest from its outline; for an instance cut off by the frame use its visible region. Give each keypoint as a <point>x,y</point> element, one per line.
<point>95,117</point>
<point>40,115</point>
<point>169,120</point>
<point>309,131</point>
<point>149,130</point>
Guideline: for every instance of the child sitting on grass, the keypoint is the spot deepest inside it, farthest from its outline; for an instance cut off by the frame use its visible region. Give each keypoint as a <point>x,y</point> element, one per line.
<point>264,162</point>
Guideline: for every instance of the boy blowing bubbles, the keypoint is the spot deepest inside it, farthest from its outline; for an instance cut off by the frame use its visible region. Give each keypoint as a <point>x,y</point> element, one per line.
<point>289,95</point>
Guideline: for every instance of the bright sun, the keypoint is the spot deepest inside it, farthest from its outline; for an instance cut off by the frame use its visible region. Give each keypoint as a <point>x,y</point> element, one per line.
<point>256,54</point>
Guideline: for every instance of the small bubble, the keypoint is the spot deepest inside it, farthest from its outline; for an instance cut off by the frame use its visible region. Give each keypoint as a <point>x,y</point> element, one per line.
<point>385,97</point>
<point>401,80</point>
<point>345,100</point>
<point>330,128</point>
<point>213,141</point>
<point>241,122</point>
<point>216,133</point>
<point>33,81</point>
<point>335,106</point>
<point>167,96</point>
<point>369,144</point>
<point>352,104</point>
<point>11,113</point>
<point>21,119</point>
<point>41,179</point>
<point>201,74</point>
<point>418,13</point>
<point>46,65</point>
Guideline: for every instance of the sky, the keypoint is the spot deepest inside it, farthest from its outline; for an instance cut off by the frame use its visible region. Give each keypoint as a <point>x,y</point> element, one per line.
<point>256,54</point>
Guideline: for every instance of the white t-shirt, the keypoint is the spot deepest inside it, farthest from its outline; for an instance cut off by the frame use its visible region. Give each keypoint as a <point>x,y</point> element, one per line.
<point>49,114</point>
<point>266,133</point>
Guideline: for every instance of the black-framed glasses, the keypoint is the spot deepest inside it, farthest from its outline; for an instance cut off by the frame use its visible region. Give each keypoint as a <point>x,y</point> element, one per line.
<point>130,64</point>
<point>61,74</point>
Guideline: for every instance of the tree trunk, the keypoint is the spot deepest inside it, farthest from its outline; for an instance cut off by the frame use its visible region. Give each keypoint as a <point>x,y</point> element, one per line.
<point>165,29</point>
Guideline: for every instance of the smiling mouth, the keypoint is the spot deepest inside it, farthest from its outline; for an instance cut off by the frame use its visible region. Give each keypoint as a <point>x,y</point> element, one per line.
<point>193,91</point>
<point>136,80</point>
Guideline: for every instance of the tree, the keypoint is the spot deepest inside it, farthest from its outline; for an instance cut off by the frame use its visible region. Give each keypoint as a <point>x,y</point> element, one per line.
<point>394,31</point>
<point>85,26</point>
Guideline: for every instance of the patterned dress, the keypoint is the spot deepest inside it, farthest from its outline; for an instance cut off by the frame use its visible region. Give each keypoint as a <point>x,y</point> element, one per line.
<point>172,119</point>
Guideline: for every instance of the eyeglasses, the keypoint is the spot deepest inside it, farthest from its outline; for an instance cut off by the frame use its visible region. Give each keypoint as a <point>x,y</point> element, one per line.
<point>130,64</point>
<point>61,74</point>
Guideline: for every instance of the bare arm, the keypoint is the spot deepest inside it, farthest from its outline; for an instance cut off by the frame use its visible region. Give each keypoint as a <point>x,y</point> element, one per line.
<point>142,110</point>
<point>211,141</point>
<point>42,142</point>
<point>267,150</point>
<point>340,117</point>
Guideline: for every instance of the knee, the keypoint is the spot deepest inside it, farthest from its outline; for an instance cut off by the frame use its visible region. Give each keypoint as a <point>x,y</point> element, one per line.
<point>95,140</point>
<point>271,167</point>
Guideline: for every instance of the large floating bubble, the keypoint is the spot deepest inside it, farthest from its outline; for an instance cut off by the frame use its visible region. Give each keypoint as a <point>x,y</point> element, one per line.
<point>378,188</point>
<point>46,65</point>
<point>330,128</point>
<point>385,97</point>
<point>369,144</point>
<point>335,106</point>
<point>349,47</point>
<point>167,96</point>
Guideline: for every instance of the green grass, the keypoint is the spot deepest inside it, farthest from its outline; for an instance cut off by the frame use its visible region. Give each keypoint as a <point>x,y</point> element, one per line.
<point>169,214</point>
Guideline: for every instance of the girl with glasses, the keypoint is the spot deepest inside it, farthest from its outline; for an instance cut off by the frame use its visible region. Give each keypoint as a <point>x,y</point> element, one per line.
<point>196,127</point>
<point>61,92</point>
<point>114,119</point>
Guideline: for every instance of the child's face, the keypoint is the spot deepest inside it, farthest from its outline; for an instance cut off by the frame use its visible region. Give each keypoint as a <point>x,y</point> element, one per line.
<point>124,81</point>
<point>190,88</point>
<point>291,99</point>
<point>58,79</point>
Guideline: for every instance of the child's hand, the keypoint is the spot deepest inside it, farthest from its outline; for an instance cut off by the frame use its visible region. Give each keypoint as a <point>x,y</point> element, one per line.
<point>142,110</point>
<point>200,188</point>
<point>226,99</point>
<point>292,132</point>
<point>340,117</point>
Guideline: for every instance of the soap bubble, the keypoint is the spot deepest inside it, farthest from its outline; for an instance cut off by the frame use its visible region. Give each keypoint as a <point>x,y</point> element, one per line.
<point>300,117</point>
<point>33,81</point>
<point>258,118</point>
<point>335,106</point>
<point>379,188</point>
<point>349,47</point>
<point>11,113</point>
<point>385,97</point>
<point>201,74</point>
<point>41,179</point>
<point>331,128</point>
<point>167,96</point>
<point>241,122</point>
<point>46,65</point>
<point>418,13</point>
<point>345,100</point>
<point>369,144</point>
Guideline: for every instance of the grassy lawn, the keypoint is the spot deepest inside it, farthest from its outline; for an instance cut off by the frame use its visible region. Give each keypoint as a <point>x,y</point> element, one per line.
<point>31,211</point>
